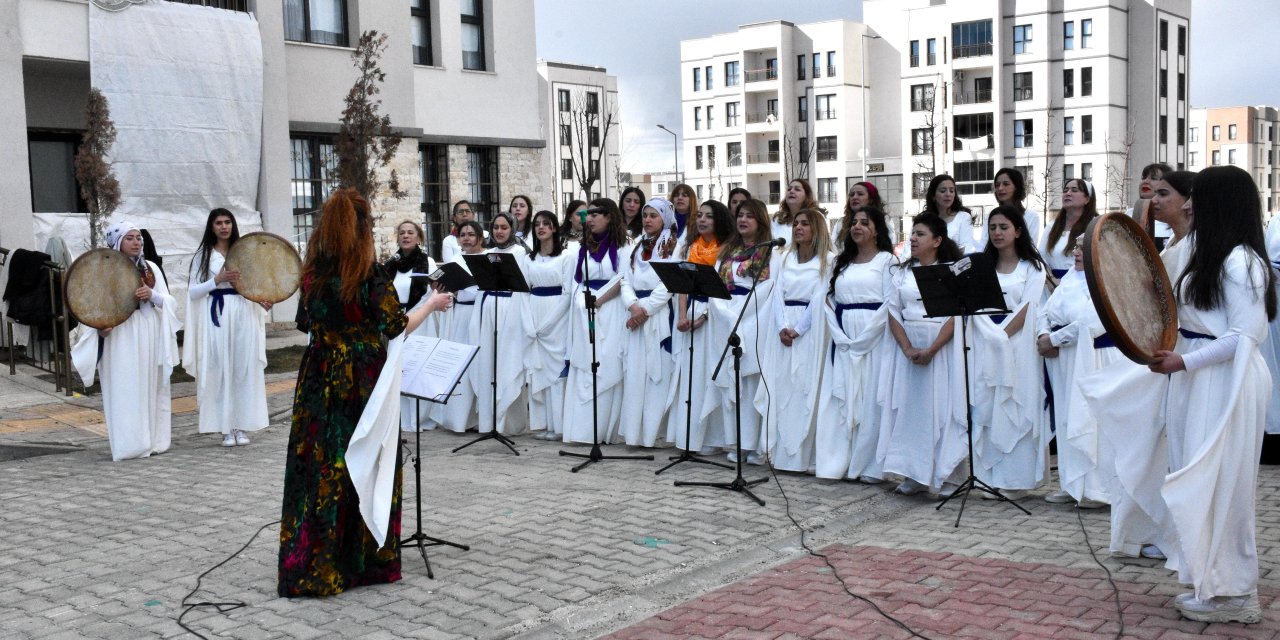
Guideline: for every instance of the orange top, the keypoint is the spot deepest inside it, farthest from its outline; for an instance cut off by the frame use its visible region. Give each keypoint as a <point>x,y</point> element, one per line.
<point>704,252</point>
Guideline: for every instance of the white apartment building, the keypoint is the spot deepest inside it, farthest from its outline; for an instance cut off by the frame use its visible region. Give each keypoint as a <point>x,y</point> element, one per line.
<point>1247,137</point>
<point>1060,89</point>
<point>654,184</point>
<point>460,81</point>
<point>581,110</point>
<point>771,102</point>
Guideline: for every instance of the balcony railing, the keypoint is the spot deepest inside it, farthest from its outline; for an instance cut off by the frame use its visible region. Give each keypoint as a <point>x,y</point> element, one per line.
<point>828,114</point>
<point>831,71</point>
<point>756,117</point>
<point>775,197</point>
<point>760,158</point>
<point>1021,93</point>
<point>229,5</point>
<point>973,97</point>
<point>826,156</point>
<point>761,75</point>
<point>970,50</point>
<point>915,61</point>
<point>922,105</point>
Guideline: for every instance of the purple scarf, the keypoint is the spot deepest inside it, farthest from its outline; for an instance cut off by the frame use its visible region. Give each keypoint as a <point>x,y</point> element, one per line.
<point>604,244</point>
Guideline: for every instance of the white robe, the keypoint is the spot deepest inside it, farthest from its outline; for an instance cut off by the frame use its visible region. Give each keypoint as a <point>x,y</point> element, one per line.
<point>1059,256</point>
<point>138,357</point>
<point>960,230</point>
<point>689,386</point>
<point>610,350</point>
<point>512,403</point>
<point>1271,348</point>
<point>790,403</point>
<point>646,383</point>
<point>547,329</point>
<point>1010,433</point>
<point>458,324</point>
<point>923,423</point>
<point>1086,461</point>
<point>849,413</point>
<point>227,361</point>
<point>1030,216</point>
<point>780,230</point>
<point>413,408</point>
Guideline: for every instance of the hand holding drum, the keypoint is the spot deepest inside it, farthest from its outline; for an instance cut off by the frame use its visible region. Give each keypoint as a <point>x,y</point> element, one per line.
<point>1130,288</point>
<point>263,267</point>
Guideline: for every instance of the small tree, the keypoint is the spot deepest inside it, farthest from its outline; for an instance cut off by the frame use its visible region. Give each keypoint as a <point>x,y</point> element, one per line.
<point>1045,189</point>
<point>98,184</point>
<point>592,118</point>
<point>366,143</point>
<point>796,157</point>
<point>1119,156</point>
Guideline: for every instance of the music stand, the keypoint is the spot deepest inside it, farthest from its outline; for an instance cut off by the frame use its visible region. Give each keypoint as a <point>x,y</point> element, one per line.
<point>968,287</point>
<point>694,280</point>
<point>497,275</point>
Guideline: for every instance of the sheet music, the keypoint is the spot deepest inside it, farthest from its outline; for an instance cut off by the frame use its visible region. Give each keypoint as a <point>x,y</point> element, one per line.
<point>432,366</point>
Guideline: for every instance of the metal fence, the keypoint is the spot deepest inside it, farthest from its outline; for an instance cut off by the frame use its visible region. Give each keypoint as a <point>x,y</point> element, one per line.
<point>51,354</point>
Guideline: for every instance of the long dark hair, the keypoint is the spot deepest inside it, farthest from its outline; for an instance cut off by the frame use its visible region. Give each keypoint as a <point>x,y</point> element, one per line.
<point>475,227</point>
<point>1226,213</point>
<point>723,225</point>
<point>527,227</point>
<point>210,239</point>
<point>1060,221</point>
<point>1019,185</point>
<point>557,241</point>
<point>737,191</point>
<point>1022,245</point>
<point>616,230</point>
<point>636,225</point>
<point>849,249</point>
<point>570,210</point>
<point>930,206</point>
<point>948,251</point>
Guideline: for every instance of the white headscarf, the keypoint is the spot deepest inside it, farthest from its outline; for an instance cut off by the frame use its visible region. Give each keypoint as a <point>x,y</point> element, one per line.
<point>117,232</point>
<point>668,213</point>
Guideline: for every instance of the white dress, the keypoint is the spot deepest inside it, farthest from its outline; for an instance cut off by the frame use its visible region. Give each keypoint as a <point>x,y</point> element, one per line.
<point>688,399</point>
<point>960,230</point>
<point>611,318</point>
<point>780,230</point>
<point>547,327</point>
<point>849,414</point>
<point>1086,461</point>
<point>719,394</point>
<point>1010,431</point>
<point>1271,349</point>
<point>646,383</point>
<point>458,324</point>
<point>508,309</point>
<point>1059,256</point>
<point>1030,216</point>
<point>790,403</point>
<point>137,358</point>
<point>449,248</point>
<point>923,423</point>
<point>430,326</point>
<point>227,359</point>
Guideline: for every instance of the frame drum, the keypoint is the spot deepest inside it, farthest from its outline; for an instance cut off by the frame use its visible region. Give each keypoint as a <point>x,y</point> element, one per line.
<point>1130,288</point>
<point>270,268</point>
<point>100,287</point>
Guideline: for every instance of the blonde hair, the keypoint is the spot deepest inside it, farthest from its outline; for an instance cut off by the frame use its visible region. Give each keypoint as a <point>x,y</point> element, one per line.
<point>821,243</point>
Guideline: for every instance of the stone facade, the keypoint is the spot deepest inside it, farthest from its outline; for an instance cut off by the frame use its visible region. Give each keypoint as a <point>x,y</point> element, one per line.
<point>390,211</point>
<point>521,173</point>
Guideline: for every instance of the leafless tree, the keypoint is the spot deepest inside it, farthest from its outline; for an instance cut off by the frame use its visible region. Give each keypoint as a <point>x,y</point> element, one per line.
<point>366,143</point>
<point>1119,156</point>
<point>98,184</point>
<point>592,117</point>
<point>1044,191</point>
<point>797,157</point>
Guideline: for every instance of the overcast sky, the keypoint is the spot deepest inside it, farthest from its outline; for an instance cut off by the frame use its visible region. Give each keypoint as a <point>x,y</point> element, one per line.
<point>639,42</point>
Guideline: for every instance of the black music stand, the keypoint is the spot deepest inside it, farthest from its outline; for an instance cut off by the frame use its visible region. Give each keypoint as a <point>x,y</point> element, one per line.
<point>497,275</point>
<point>966,288</point>
<point>451,277</point>
<point>693,280</point>
<point>418,538</point>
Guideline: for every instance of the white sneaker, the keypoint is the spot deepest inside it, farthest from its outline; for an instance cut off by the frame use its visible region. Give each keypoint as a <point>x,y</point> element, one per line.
<point>870,480</point>
<point>228,440</point>
<point>241,438</point>
<point>1092,504</point>
<point>909,487</point>
<point>1222,609</point>
<point>1059,497</point>
<point>1153,552</point>
<point>1183,597</point>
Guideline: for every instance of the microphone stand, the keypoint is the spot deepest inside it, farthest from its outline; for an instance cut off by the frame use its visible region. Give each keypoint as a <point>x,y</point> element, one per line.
<point>688,455</point>
<point>596,455</point>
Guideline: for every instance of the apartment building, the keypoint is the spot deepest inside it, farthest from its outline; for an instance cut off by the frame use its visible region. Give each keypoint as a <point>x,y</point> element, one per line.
<point>582,113</point>
<point>774,101</point>
<point>1246,137</point>
<point>1060,89</point>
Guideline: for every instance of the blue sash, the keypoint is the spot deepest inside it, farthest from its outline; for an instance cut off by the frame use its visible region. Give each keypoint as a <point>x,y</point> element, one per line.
<point>1191,335</point>
<point>217,303</point>
<point>841,308</point>
<point>547,292</point>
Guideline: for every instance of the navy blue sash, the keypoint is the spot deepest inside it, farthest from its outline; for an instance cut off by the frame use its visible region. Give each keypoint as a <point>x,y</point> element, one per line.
<point>466,303</point>
<point>841,308</point>
<point>217,303</point>
<point>1058,273</point>
<point>998,318</point>
<point>796,303</point>
<point>739,291</point>
<point>547,292</point>
<point>596,284</point>
<point>1193,335</point>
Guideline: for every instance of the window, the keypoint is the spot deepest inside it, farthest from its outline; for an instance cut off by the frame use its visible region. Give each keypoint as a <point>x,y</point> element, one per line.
<point>593,102</point>
<point>1231,156</point>
<point>974,125</point>
<point>731,114</point>
<point>1086,32</point>
<point>566,135</point>
<point>921,141</point>
<point>1022,38</point>
<point>982,89</point>
<point>1023,136</point>
<point>915,53</point>
<point>699,192</point>
<point>1164,85</point>
<point>1217,133</point>
<point>734,151</point>
<point>593,172</point>
<point>823,105</point>
<point>771,107</point>
<point>473,41</point>
<point>1182,40</point>
<point>482,181</point>
<point>1195,134</point>
<point>420,15</point>
<point>802,108</point>
<point>1022,86</point>
<point>593,137</point>
<point>827,191</point>
<point>697,157</point>
<point>563,101</point>
<point>697,118</point>
<point>771,69</point>
<point>707,73</point>
<point>1231,132</point>
<point>315,176</point>
<point>1086,129</point>
<point>1086,81</point>
<point>697,78</point>
<point>1068,35</point>
<point>1217,158</point>
<point>54,188</point>
<point>1191,158</point>
<point>969,39</point>
<point>1164,129</point>
<point>1069,130</point>
<point>975,177</point>
<point>1182,85</point>
<point>804,150</point>
<point>566,197</point>
<point>922,97</point>
<point>1164,35</point>
<point>711,156</point>
<point>920,184</point>
<point>826,148</point>
<point>1182,136</point>
<point>831,64</point>
<point>566,169</point>
<point>931,49</point>
<point>1068,83</point>
<point>801,65</point>
<point>732,74</point>
<point>316,21</point>
<point>817,66</point>
<point>711,115</point>
<point>433,168</point>
<point>1068,172</point>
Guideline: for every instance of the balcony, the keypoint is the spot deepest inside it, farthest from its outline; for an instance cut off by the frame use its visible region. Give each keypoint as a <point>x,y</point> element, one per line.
<point>761,75</point>
<point>825,155</point>
<point>973,97</point>
<point>229,5</point>
<point>922,105</point>
<point>762,158</point>
<point>970,50</point>
<point>757,117</point>
<point>827,114</point>
<point>775,197</point>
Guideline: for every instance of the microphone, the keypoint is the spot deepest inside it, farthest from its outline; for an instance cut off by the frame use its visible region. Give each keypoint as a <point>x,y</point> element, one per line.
<point>776,242</point>
<point>584,212</point>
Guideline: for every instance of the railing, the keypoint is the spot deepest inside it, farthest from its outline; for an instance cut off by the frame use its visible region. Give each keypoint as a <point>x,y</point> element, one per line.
<point>229,5</point>
<point>761,75</point>
<point>825,156</point>
<point>756,117</point>
<point>731,121</point>
<point>922,105</point>
<point>831,71</point>
<point>54,354</point>
<point>1021,93</point>
<point>775,197</point>
<point>973,97</point>
<point>915,61</point>
<point>759,158</point>
<point>970,50</point>
<point>828,114</point>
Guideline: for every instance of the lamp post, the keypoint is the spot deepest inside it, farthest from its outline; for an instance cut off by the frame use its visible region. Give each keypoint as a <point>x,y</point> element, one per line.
<point>865,109</point>
<point>675,153</point>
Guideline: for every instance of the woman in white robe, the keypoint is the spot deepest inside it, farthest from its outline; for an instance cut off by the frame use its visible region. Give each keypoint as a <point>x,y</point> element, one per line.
<point>739,268</point>
<point>598,265</point>
<point>1079,208</point>
<point>795,345</point>
<point>646,382</point>
<point>1011,433</point>
<point>1010,189</point>
<point>225,344</point>
<point>458,324</point>
<point>942,199</point>
<point>134,358</point>
<point>849,414</point>
<point>507,311</point>
<point>799,196</point>
<point>922,386</point>
<point>1271,350</point>
<point>547,326</point>
<point>410,259</point>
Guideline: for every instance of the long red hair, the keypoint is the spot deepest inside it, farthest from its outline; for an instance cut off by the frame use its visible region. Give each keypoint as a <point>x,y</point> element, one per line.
<point>341,245</point>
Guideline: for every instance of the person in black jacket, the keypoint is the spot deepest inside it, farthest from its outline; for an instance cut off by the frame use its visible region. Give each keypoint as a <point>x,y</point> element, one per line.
<point>409,258</point>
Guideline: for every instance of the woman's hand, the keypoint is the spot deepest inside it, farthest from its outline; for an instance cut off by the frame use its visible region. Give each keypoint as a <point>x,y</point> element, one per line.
<point>102,333</point>
<point>638,317</point>
<point>266,306</point>
<point>1045,347</point>
<point>228,275</point>
<point>1167,362</point>
<point>439,302</point>
<point>684,325</point>
<point>142,293</point>
<point>922,356</point>
<point>788,337</point>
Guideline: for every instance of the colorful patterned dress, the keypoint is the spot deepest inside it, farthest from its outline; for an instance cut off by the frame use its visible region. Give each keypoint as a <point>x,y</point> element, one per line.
<point>324,546</point>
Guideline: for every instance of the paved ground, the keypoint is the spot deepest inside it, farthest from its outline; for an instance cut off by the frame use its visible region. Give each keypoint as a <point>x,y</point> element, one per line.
<point>92,548</point>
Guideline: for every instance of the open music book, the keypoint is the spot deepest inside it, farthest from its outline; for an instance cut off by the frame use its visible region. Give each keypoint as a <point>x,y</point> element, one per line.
<point>432,367</point>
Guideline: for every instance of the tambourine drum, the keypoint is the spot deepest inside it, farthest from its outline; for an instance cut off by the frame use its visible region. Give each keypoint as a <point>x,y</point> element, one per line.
<point>100,288</point>
<point>270,268</point>
<point>1130,288</point>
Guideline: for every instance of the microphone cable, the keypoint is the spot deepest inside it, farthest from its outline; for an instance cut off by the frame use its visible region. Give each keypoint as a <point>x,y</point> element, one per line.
<point>222,607</point>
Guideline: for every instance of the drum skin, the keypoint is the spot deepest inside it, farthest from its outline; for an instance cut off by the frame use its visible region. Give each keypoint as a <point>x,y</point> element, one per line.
<point>270,268</point>
<point>100,286</point>
<point>1130,288</point>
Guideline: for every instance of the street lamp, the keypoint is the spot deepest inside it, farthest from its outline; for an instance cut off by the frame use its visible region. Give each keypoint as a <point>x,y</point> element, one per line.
<point>675,154</point>
<point>864,102</point>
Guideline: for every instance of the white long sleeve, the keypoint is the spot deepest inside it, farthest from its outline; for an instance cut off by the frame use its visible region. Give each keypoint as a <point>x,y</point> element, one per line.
<point>1218,351</point>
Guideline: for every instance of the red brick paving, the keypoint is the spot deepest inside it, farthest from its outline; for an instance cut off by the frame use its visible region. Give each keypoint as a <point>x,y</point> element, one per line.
<point>940,595</point>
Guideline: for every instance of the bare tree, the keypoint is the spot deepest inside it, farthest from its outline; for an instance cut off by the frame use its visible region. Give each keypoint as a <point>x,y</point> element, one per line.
<point>98,184</point>
<point>1044,191</point>
<point>1119,156</point>
<point>934,120</point>
<point>592,117</point>
<point>798,151</point>
<point>366,143</point>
